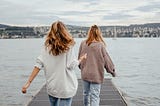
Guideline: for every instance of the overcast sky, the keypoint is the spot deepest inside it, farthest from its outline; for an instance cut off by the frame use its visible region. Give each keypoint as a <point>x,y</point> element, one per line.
<point>79,12</point>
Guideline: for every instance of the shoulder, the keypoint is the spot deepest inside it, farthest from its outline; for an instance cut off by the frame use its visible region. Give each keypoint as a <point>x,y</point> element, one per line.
<point>100,44</point>
<point>71,48</point>
<point>83,42</point>
<point>43,49</point>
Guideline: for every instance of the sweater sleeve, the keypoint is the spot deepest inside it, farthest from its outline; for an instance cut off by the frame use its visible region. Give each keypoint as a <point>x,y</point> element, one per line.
<point>71,60</point>
<point>109,66</point>
<point>39,62</point>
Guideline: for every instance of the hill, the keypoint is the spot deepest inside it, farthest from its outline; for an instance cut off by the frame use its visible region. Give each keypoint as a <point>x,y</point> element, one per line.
<point>3,26</point>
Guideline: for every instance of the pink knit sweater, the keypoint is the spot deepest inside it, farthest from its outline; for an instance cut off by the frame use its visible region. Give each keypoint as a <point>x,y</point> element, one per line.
<point>92,68</point>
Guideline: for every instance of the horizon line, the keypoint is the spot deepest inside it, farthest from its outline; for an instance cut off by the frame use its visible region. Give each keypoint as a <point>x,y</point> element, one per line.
<point>75,25</point>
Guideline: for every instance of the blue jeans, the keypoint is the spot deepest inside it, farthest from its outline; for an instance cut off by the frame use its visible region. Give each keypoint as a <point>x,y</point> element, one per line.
<point>60,101</point>
<point>91,92</point>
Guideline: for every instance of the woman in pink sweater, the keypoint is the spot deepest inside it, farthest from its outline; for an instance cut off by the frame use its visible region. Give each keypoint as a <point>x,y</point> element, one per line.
<point>92,69</point>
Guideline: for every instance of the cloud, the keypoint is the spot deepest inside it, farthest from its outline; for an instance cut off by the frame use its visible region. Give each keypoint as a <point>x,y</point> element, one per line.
<point>117,16</point>
<point>85,3</point>
<point>156,17</point>
<point>23,15</point>
<point>82,1</point>
<point>79,12</point>
<point>74,12</point>
<point>79,22</point>
<point>149,7</point>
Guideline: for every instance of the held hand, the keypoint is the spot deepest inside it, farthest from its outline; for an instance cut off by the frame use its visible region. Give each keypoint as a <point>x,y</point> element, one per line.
<point>114,74</point>
<point>83,57</point>
<point>24,88</point>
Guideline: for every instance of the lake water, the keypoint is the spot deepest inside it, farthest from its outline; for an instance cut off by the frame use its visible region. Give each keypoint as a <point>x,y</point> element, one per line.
<point>137,62</point>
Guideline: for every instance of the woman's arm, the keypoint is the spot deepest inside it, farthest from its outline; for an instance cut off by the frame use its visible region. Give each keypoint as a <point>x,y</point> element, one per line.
<point>109,66</point>
<point>72,61</point>
<point>84,56</point>
<point>31,78</point>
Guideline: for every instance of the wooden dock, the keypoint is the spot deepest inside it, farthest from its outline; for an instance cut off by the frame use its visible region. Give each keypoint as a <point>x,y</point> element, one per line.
<point>110,96</point>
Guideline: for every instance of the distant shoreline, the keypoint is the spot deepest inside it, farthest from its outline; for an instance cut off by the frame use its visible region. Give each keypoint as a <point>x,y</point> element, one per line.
<point>32,37</point>
<point>142,30</point>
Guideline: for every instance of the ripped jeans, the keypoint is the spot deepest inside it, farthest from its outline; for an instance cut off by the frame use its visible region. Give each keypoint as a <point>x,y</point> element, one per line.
<point>91,92</point>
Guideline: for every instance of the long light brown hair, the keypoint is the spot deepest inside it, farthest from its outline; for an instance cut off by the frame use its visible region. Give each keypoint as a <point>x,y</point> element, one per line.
<point>58,39</point>
<point>94,33</point>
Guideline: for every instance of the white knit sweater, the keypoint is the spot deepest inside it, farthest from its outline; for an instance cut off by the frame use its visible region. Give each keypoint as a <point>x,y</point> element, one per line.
<point>61,79</point>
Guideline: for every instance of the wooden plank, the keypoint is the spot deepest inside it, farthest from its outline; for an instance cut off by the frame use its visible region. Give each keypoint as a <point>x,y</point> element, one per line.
<point>110,96</point>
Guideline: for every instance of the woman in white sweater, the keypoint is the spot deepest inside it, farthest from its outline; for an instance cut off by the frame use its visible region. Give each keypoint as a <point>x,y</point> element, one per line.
<point>57,59</point>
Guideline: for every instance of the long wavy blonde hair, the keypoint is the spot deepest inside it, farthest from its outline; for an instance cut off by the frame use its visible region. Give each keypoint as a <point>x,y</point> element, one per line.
<point>94,33</point>
<point>58,39</point>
